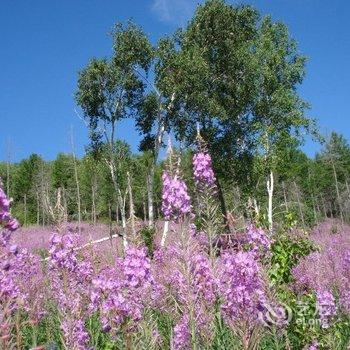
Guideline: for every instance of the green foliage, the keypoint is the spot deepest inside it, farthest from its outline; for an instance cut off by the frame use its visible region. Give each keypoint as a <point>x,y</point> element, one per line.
<point>112,89</point>
<point>287,249</point>
<point>147,234</point>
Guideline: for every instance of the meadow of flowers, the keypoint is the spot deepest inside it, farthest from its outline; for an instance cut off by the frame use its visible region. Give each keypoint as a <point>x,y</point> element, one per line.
<point>183,289</point>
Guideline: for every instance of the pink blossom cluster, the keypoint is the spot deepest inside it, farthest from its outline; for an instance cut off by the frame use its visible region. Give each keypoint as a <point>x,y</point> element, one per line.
<point>242,287</point>
<point>258,240</point>
<point>6,219</point>
<point>325,305</point>
<point>175,199</point>
<point>203,170</point>
<point>182,335</point>
<point>17,269</point>
<point>120,293</point>
<point>204,282</point>
<point>313,346</point>
<point>327,271</point>
<point>70,279</point>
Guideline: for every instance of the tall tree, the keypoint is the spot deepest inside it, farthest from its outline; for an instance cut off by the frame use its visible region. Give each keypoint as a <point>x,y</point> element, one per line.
<point>278,112</point>
<point>236,76</point>
<point>210,67</point>
<point>109,90</point>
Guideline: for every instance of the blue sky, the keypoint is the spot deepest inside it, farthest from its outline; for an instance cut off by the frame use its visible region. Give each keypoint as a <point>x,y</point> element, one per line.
<point>45,43</point>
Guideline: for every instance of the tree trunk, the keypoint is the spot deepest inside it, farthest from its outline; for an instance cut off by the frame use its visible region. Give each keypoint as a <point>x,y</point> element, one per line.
<point>324,207</point>
<point>348,192</point>
<point>131,205</point>
<point>120,201</point>
<point>150,195</point>
<point>270,187</point>
<point>123,219</point>
<point>165,232</point>
<point>150,178</point>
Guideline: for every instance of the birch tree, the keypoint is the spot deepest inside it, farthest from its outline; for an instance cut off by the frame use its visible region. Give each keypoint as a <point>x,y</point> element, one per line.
<point>110,90</point>
<point>278,112</point>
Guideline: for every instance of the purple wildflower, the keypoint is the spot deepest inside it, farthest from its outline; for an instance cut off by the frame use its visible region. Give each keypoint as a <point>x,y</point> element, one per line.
<point>182,337</point>
<point>175,200</point>
<point>203,281</point>
<point>203,170</point>
<point>70,287</point>
<point>326,307</point>
<point>120,293</point>
<point>20,275</point>
<point>241,287</point>
<point>258,240</point>
<point>313,346</point>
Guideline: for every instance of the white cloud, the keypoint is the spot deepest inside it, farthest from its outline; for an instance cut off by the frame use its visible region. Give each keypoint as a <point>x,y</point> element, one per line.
<point>174,11</point>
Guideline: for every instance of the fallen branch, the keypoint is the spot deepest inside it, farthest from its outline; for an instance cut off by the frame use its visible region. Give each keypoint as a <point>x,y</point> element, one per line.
<point>92,243</point>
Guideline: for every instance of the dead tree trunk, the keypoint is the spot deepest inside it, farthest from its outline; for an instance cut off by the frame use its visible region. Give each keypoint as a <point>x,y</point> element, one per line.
<point>157,145</point>
<point>270,188</point>
<point>120,200</point>
<point>131,205</point>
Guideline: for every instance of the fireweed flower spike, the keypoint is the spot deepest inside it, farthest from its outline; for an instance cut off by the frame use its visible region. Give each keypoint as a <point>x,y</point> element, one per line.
<point>202,166</point>
<point>326,271</point>
<point>207,206</point>
<point>176,202</point>
<point>120,293</point>
<point>326,307</point>
<point>20,276</point>
<point>241,287</point>
<point>202,170</point>
<point>70,287</point>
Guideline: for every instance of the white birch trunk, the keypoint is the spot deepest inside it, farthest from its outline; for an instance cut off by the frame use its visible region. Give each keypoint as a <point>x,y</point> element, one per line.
<point>150,180</point>
<point>165,232</point>
<point>131,206</point>
<point>270,187</point>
